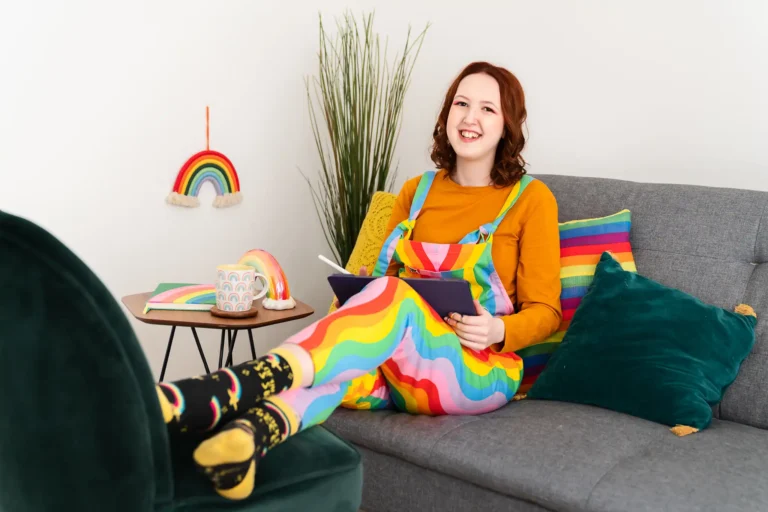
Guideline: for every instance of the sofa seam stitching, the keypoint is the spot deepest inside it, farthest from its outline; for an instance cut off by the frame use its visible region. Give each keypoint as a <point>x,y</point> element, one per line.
<point>452,429</point>
<point>757,233</point>
<point>614,466</point>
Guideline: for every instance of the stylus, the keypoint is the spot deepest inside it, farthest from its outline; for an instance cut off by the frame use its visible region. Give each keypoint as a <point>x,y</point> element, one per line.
<point>332,264</point>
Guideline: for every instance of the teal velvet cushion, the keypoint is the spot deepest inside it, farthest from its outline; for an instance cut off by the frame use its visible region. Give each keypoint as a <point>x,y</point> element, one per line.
<point>81,428</point>
<point>638,347</point>
<point>313,470</point>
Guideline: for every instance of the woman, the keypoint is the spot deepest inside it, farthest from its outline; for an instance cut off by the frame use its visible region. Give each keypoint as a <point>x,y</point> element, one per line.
<point>480,218</point>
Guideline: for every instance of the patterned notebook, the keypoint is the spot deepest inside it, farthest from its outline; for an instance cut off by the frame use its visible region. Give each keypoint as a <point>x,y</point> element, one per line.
<point>182,297</point>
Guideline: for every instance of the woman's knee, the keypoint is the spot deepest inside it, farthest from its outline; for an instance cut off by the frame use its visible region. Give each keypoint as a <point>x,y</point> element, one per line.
<point>393,283</point>
<point>390,286</point>
<point>390,281</point>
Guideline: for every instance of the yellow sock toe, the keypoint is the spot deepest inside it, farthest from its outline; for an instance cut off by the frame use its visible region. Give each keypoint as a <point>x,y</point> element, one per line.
<point>165,406</point>
<point>227,447</point>
<point>244,488</point>
<point>228,460</point>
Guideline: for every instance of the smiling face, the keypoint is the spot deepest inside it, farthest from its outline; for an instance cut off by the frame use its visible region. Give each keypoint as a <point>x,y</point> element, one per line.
<point>480,126</point>
<point>475,122</point>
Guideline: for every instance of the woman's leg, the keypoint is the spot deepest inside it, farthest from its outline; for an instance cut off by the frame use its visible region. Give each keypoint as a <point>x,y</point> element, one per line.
<point>439,376</point>
<point>201,403</point>
<point>388,324</point>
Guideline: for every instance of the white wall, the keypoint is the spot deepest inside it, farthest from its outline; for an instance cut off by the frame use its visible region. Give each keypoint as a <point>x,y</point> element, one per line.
<point>101,102</point>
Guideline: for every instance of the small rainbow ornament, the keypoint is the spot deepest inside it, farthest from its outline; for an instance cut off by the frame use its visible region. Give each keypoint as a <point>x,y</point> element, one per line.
<point>278,292</point>
<point>206,167</point>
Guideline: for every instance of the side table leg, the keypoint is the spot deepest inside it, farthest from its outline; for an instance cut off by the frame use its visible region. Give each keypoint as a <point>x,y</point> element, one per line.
<point>200,349</point>
<point>232,339</point>
<point>221,348</point>
<point>253,349</point>
<point>167,353</point>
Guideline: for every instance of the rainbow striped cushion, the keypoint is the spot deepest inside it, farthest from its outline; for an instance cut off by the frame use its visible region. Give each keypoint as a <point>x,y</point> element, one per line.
<point>581,244</point>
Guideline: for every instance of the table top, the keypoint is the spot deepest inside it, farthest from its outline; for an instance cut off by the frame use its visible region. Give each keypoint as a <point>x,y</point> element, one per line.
<point>135,304</point>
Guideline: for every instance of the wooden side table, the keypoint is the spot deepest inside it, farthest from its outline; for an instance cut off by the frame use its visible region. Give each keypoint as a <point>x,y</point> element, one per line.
<point>205,320</point>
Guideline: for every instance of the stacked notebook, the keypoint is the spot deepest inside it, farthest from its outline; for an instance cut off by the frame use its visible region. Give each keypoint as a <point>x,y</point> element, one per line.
<point>182,297</point>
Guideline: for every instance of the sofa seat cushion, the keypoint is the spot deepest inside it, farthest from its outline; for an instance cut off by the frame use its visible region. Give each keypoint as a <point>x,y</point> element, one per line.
<point>721,469</point>
<point>550,453</point>
<point>313,470</point>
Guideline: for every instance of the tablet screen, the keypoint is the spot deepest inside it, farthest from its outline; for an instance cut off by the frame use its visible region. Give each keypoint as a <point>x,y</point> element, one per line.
<point>445,296</point>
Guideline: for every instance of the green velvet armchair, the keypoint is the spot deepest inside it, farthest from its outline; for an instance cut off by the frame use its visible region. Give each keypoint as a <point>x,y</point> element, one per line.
<point>80,427</point>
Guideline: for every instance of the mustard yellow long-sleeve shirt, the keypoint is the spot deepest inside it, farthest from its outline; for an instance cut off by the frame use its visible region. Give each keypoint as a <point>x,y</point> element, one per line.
<point>526,246</point>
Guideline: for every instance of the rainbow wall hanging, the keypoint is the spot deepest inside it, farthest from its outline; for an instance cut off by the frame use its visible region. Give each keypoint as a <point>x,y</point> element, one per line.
<point>206,167</point>
<point>278,293</point>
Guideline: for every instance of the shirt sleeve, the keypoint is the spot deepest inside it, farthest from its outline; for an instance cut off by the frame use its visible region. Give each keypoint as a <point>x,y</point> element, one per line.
<point>537,278</point>
<point>400,212</point>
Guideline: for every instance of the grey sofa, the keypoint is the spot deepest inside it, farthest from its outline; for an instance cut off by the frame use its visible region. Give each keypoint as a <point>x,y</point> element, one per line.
<point>537,455</point>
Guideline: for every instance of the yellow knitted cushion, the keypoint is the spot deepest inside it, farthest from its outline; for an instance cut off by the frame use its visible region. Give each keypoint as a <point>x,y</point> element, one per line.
<point>372,234</point>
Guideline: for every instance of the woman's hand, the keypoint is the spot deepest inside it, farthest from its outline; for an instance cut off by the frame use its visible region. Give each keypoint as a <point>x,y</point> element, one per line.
<point>363,272</point>
<point>477,332</point>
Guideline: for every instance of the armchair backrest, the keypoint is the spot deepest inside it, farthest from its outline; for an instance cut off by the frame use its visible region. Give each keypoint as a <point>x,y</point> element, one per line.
<point>80,426</point>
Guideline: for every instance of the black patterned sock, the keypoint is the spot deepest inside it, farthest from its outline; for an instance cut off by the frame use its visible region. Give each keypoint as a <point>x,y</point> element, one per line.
<point>201,403</point>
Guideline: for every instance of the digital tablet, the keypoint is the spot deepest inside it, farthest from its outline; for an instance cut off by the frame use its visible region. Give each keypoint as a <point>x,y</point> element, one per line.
<point>444,295</point>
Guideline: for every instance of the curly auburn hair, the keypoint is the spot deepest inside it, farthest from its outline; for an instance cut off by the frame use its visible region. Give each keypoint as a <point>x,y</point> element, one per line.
<point>509,165</point>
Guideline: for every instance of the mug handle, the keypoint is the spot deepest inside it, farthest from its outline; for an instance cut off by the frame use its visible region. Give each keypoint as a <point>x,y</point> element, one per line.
<point>264,290</point>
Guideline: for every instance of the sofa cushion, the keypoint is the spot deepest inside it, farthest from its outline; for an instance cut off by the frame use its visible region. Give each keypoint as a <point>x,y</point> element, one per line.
<point>556,454</point>
<point>642,348</point>
<point>582,241</point>
<point>747,398</point>
<point>394,484</point>
<point>709,242</point>
<point>546,452</point>
<point>722,469</point>
<point>313,470</point>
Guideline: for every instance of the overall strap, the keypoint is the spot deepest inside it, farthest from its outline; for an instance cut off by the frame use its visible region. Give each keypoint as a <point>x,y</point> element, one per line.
<point>421,194</point>
<point>486,230</point>
<point>403,230</point>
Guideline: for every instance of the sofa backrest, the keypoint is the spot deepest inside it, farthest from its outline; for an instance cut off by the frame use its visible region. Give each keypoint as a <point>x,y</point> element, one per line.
<point>709,242</point>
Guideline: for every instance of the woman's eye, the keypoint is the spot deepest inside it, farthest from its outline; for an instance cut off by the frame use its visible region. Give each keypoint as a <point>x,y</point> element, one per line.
<point>489,109</point>
<point>461,103</point>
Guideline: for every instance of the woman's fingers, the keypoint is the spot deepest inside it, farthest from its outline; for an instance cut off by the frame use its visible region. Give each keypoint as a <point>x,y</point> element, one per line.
<point>480,330</point>
<point>475,338</point>
<point>468,319</point>
<point>471,344</point>
<point>471,330</point>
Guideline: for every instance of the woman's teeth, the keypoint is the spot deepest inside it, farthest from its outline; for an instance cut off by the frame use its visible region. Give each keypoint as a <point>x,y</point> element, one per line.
<point>469,135</point>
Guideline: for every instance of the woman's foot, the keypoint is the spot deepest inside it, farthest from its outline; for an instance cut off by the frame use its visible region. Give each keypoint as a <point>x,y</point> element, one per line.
<point>229,458</point>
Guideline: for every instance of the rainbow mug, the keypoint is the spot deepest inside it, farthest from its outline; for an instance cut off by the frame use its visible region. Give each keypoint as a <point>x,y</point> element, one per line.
<point>236,287</point>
